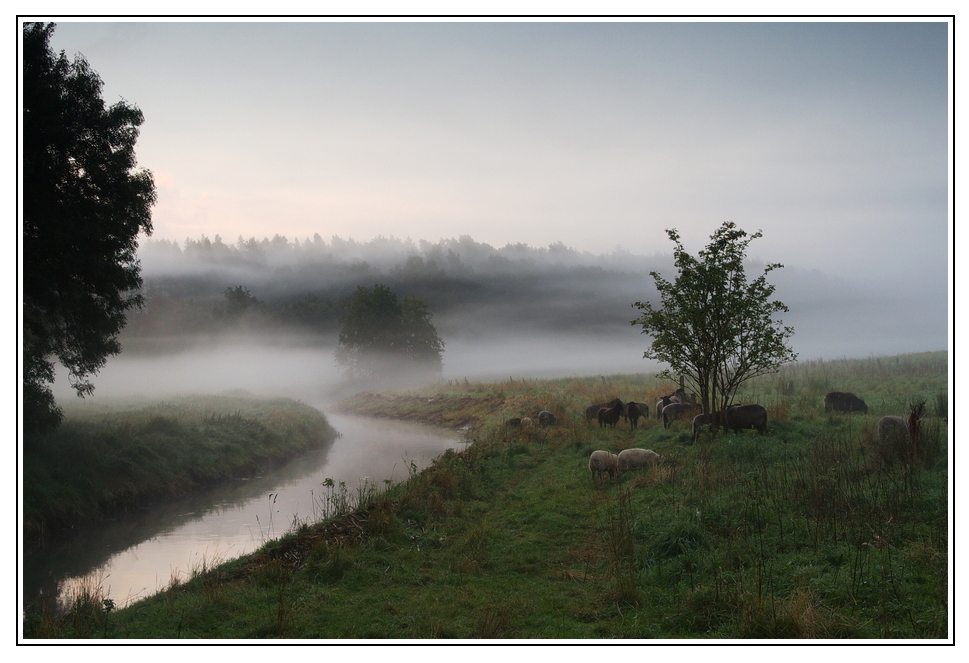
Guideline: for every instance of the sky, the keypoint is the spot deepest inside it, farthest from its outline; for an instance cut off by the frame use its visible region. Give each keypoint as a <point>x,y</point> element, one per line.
<point>830,137</point>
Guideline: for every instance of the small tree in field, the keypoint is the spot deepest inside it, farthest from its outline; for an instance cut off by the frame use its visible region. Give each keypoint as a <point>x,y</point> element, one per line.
<point>713,326</point>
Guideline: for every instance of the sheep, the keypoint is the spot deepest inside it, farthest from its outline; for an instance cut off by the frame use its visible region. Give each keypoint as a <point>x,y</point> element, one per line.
<point>609,416</point>
<point>634,411</point>
<point>634,458</point>
<point>713,419</point>
<point>678,396</point>
<point>593,410</point>
<point>526,422</point>
<point>663,402</point>
<point>602,462</point>
<point>840,401</point>
<point>546,418</point>
<point>737,417</point>
<point>674,411</point>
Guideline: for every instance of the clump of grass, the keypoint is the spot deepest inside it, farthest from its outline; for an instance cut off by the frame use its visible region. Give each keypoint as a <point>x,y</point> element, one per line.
<point>328,563</point>
<point>493,623</point>
<point>797,616</point>
<point>622,553</point>
<point>85,614</point>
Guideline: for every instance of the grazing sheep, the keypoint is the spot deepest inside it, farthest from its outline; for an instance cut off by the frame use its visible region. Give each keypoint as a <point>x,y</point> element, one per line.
<point>609,416</point>
<point>630,459</point>
<point>714,419</point>
<point>674,411</point>
<point>840,401</point>
<point>592,411</point>
<point>546,418</point>
<point>737,417</point>
<point>515,422</point>
<point>526,421</point>
<point>893,437</point>
<point>603,462</point>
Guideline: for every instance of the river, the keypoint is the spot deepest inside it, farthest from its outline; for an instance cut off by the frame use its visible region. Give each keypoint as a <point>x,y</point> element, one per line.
<point>140,553</point>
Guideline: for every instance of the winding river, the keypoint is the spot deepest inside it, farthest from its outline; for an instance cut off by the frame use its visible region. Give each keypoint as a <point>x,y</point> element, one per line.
<point>136,555</point>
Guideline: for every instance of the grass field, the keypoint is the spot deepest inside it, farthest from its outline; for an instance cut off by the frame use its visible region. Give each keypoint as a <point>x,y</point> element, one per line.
<point>801,533</point>
<point>115,454</point>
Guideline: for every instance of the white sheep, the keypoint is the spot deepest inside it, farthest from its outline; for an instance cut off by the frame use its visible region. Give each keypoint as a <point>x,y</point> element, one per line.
<point>602,462</point>
<point>630,459</point>
<point>526,422</point>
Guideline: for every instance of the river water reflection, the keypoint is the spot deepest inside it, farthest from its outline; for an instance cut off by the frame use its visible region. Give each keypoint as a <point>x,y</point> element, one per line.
<point>140,553</point>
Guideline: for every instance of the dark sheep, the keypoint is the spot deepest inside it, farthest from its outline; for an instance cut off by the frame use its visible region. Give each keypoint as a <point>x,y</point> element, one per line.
<point>634,411</point>
<point>674,411</point>
<point>840,401</point>
<point>592,411</point>
<point>516,422</point>
<point>546,418</point>
<point>737,417</point>
<point>609,416</point>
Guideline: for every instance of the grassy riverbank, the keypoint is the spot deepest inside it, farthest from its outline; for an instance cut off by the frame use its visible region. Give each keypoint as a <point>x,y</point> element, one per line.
<point>111,455</point>
<point>801,533</point>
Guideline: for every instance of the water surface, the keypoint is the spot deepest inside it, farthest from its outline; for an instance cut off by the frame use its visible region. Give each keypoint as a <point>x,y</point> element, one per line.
<point>141,552</point>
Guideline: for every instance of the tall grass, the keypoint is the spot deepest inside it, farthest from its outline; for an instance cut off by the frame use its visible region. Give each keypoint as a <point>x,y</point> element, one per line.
<point>115,454</point>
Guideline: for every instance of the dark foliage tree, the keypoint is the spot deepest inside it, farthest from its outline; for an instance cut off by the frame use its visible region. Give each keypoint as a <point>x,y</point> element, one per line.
<point>83,207</point>
<point>378,332</point>
<point>713,327</point>
<point>238,300</point>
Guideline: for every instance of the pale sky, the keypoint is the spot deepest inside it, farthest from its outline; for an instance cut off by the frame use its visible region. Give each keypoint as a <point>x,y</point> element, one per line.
<point>831,137</point>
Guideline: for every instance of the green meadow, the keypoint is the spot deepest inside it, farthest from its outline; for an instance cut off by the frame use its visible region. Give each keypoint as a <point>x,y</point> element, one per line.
<point>805,532</point>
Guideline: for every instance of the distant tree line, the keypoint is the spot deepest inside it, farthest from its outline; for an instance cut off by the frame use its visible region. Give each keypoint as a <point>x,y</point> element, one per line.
<point>453,256</point>
<point>300,285</point>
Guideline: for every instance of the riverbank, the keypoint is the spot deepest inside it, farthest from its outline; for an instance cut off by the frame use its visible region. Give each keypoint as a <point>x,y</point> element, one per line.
<point>115,455</point>
<point>799,533</point>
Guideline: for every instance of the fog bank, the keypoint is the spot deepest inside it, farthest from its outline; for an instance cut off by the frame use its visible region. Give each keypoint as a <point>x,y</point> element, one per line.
<point>514,312</point>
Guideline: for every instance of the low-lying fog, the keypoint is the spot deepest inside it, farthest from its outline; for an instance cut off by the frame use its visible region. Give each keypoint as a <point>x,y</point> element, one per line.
<point>510,312</point>
<point>273,366</point>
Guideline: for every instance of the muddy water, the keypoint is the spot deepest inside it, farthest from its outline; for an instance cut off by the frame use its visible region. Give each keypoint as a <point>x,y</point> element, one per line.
<point>136,555</point>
